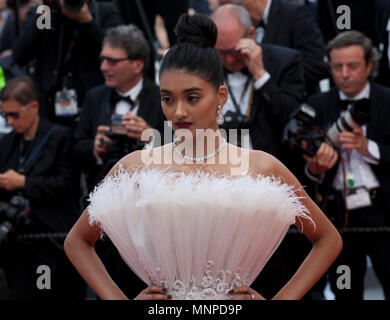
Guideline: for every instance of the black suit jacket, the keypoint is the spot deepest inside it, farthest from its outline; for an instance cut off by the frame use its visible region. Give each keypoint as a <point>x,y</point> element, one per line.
<point>384,67</point>
<point>378,129</point>
<point>97,111</point>
<point>291,25</point>
<point>276,99</point>
<point>50,179</point>
<point>43,45</point>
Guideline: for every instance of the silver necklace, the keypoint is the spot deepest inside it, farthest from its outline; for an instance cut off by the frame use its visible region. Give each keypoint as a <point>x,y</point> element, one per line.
<point>207,156</point>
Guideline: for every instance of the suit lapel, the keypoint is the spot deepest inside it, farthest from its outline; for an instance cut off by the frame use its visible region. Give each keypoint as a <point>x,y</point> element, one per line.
<point>375,112</point>
<point>273,22</point>
<point>143,109</point>
<point>43,128</point>
<point>9,142</point>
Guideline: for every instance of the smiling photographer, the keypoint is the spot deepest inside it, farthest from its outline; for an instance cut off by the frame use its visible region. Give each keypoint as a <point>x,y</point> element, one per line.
<point>354,174</point>
<point>36,191</point>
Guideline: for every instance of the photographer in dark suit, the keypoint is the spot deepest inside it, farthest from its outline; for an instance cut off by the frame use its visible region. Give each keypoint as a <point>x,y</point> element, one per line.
<point>127,95</point>
<point>37,193</point>
<point>354,175</point>
<point>112,121</point>
<point>67,55</point>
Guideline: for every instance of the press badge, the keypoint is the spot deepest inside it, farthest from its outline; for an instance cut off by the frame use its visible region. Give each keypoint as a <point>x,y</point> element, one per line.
<point>66,103</point>
<point>357,198</point>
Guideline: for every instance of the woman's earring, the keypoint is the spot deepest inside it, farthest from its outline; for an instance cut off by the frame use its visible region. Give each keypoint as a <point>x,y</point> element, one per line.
<point>220,118</point>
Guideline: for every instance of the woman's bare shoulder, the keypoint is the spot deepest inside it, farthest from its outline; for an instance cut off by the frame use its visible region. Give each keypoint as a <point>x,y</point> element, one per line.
<point>263,163</point>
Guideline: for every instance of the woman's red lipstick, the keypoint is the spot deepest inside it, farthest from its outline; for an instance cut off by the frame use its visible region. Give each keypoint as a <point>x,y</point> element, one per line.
<point>183,125</point>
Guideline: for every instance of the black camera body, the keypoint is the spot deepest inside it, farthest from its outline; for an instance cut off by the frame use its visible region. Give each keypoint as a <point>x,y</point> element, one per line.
<point>233,123</point>
<point>74,6</point>
<point>121,144</point>
<point>357,115</point>
<point>14,214</point>
<point>300,128</point>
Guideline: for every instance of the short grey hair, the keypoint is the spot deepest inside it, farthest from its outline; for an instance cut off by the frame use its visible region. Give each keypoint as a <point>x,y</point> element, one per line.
<point>350,38</point>
<point>131,39</point>
<point>241,14</point>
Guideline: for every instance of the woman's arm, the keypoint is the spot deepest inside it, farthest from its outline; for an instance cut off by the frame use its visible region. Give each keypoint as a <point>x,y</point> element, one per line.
<point>79,247</point>
<point>324,236</point>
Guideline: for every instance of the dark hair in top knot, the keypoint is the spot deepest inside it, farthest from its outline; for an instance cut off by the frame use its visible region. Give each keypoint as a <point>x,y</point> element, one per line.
<point>194,50</point>
<point>197,29</point>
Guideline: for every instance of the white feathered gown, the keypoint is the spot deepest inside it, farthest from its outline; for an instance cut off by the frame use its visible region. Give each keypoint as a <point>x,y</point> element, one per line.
<point>199,235</point>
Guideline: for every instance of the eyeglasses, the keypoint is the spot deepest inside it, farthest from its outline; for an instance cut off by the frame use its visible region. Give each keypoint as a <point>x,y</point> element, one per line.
<point>112,61</point>
<point>13,115</point>
<point>230,51</point>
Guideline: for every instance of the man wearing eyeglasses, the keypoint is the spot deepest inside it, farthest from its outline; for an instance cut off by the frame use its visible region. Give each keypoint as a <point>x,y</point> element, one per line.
<point>113,120</point>
<point>36,196</point>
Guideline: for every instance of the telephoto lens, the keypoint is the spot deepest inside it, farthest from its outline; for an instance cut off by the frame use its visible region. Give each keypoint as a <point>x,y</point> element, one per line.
<point>356,116</point>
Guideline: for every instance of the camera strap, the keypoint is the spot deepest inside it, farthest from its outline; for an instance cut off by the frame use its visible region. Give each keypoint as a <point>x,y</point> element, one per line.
<point>23,163</point>
<point>248,83</point>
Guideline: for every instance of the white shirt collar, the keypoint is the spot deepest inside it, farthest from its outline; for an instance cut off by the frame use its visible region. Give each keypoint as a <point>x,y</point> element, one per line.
<point>266,12</point>
<point>365,93</point>
<point>134,91</point>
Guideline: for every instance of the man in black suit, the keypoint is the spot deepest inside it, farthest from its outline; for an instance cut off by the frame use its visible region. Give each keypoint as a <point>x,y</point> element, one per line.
<point>35,166</point>
<point>127,93</point>
<point>359,166</point>
<point>67,55</point>
<point>99,143</point>
<point>266,85</point>
<point>290,25</point>
<point>265,82</point>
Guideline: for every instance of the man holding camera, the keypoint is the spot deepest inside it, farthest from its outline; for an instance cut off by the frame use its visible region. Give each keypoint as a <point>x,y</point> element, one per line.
<point>37,197</point>
<point>113,120</point>
<point>115,115</point>
<point>66,55</point>
<point>355,175</point>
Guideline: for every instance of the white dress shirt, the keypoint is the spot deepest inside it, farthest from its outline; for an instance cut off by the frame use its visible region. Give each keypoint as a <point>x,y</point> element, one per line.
<point>260,32</point>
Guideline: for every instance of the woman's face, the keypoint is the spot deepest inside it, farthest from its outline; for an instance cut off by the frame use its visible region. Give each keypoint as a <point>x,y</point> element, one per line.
<point>190,102</point>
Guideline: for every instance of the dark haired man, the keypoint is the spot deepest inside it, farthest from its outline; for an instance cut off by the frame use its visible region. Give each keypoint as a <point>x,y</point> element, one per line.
<point>355,183</point>
<point>35,166</point>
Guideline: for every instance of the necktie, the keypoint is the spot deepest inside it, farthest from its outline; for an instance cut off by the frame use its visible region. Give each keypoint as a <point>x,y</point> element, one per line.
<point>344,104</point>
<point>116,97</point>
<point>261,24</point>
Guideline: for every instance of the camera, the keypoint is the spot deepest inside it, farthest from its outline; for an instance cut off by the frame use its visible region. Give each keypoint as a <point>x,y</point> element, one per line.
<point>300,127</point>
<point>236,121</point>
<point>354,117</point>
<point>13,215</point>
<point>73,6</point>
<point>121,144</point>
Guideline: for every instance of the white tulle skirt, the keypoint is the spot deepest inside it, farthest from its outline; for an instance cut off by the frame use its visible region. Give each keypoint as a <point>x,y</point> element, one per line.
<point>198,235</point>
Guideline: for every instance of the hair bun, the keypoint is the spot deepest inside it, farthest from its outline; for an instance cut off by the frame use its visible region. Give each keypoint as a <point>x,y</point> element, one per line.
<point>198,29</point>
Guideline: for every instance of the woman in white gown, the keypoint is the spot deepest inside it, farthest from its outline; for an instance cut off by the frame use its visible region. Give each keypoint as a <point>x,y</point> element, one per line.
<point>198,218</point>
